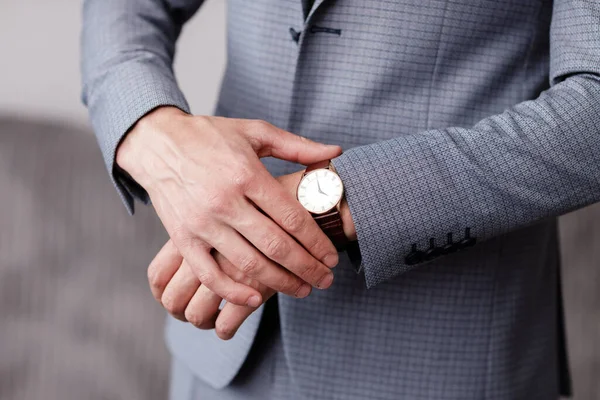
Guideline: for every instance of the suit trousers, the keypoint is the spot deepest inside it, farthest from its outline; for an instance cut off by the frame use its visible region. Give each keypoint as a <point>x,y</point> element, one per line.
<point>264,374</point>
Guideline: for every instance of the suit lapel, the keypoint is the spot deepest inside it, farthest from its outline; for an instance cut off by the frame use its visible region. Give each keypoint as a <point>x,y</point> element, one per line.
<point>309,9</point>
<point>306,6</point>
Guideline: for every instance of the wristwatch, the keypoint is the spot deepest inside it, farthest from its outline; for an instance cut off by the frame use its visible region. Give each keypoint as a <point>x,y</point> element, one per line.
<point>320,191</point>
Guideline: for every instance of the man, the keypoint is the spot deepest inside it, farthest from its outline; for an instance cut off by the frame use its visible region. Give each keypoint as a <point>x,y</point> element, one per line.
<point>468,126</point>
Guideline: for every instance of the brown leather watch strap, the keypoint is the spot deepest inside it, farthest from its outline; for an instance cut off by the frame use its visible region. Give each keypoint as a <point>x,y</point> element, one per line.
<point>331,224</point>
<point>319,165</point>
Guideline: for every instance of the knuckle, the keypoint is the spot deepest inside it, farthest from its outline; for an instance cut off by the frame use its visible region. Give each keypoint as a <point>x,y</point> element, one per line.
<point>258,131</point>
<point>203,233</point>
<point>250,265</point>
<point>316,246</point>
<point>294,221</point>
<point>200,218</point>
<point>154,278</point>
<point>193,318</point>
<point>180,235</point>
<point>189,236</point>
<point>242,178</point>
<point>171,304</point>
<point>260,125</point>
<point>197,319</point>
<point>204,122</point>
<point>157,286</point>
<point>253,138</point>
<point>312,271</point>
<point>224,329</point>
<point>207,278</point>
<point>276,247</point>
<point>291,285</point>
<point>217,204</point>
<point>288,284</point>
<point>193,239</point>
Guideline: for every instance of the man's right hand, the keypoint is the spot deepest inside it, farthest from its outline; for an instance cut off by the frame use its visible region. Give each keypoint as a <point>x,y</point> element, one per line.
<point>208,186</point>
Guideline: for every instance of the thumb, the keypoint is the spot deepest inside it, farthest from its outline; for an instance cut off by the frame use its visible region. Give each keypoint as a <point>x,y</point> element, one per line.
<point>287,146</point>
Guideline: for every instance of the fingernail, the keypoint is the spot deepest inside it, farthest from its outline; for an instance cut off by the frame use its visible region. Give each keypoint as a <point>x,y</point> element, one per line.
<point>253,301</point>
<point>331,260</point>
<point>303,291</point>
<point>325,281</point>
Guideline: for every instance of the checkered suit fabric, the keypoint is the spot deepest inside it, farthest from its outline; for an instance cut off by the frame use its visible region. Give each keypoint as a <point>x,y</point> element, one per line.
<point>471,123</point>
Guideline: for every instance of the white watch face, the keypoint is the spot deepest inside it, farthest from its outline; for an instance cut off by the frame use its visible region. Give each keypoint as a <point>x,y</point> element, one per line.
<point>320,190</point>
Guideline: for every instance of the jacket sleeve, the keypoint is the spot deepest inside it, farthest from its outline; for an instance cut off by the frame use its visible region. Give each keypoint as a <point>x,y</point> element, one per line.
<point>128,48</point>
<point>539,159</point>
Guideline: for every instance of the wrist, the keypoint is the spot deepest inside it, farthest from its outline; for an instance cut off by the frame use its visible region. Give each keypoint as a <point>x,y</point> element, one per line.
<point>347,221</point>
<point>140,150</point>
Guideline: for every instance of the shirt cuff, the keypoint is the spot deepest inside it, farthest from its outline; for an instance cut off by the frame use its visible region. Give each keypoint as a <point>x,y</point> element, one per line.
<point>119,99</point>
<point>353,251</point>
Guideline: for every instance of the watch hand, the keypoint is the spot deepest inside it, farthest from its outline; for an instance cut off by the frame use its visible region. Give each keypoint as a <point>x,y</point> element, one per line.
<point>319,187</point>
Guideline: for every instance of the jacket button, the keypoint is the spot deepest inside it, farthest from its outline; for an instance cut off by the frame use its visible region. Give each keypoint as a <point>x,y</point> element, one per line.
<point>450,246</point>
<point>467,241</point>
<point>432,252</point>
<point>414,257</point>
<point>295,35</point>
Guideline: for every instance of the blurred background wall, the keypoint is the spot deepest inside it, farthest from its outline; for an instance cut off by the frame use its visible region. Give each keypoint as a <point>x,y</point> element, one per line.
<point>77,320</point>
<point>39,58</point>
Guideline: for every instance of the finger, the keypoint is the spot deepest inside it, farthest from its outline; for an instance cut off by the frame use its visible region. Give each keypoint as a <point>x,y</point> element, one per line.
<point>208,272</point>
<point>284,145</point>
<point>231,317</point>
<point>162,268</point>
<point>280,205</point>
<point>276,244</point>
<point>252,263</point>
<point>179,291</point>
<point>203,308</point>
<point>234,316</point>
<point>238,275</point>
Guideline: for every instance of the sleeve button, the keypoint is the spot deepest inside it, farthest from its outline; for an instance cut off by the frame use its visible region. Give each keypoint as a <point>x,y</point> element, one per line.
<point>432,252</point>
<point>415,256</point>
<point>468,241</point>
<point>450,246</point>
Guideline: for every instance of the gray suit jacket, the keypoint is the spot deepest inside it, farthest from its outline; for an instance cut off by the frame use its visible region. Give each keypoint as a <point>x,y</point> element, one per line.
<point>469,124</point>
